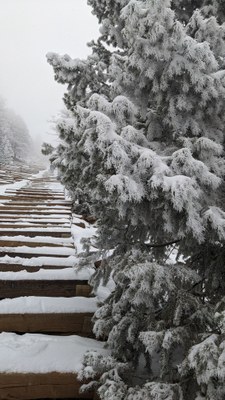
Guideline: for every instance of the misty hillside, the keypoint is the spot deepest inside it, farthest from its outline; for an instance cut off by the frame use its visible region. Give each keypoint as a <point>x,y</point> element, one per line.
<point>15,141</point>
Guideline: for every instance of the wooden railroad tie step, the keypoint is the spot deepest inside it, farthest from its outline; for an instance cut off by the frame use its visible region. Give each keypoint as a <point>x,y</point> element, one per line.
<point>6,267</point>
<point>24,254</point>
<point>37,191</point>
<point>49,207</point>
<point>32,189</point>
<point>31,386</point>
<point>57,323</point>
<point>34,203</point>
<point>36,243</point>
<point>32,215</point>
<point>35,220</point>
<point>33,211</point>
<point>29,225</point>
<point>32,233</point>
<point>40,291</point>
<point>50,288</point>
<point>36,196</point>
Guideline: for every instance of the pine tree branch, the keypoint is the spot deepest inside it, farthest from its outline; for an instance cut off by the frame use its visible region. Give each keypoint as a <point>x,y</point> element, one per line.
<point>163,244</point>
<point>196,284</point>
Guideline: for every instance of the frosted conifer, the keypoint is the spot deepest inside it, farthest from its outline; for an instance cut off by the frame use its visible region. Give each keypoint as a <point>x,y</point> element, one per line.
<point>15,142</point>
<point>143,150</point>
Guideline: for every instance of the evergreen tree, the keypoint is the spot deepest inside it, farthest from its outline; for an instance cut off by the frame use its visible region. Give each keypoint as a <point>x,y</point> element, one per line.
<point>6,153</point>
<point>143,150</point>
<point>15,141</point>
<point>47,149</point>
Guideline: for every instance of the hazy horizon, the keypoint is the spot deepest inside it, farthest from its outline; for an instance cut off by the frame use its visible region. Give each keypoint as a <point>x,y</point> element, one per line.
<point>29,29</point>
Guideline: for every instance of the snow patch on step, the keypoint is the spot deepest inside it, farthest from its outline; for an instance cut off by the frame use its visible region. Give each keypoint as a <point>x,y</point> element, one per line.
<point>16,185</point>
<point>70,261</point>
<point>48,305</point>
<point>33,229</point>
<point>38,239</point>
<point>62,251</point>
<point>36,353</point>
<point>48,274</point>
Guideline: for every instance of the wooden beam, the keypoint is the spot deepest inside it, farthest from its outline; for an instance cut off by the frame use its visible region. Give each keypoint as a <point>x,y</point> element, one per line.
<point>25,207</point>
<point>50,288</point>
<point>38,225</point>
<point>33,243</point>
<point>31,255</point>
<point>34,203</point>
<point>52,385</point>
<point>37,196</point>
<point>6,267</point>
<point>33,211</point>
<point>30,233</point>
<point>57,323</point>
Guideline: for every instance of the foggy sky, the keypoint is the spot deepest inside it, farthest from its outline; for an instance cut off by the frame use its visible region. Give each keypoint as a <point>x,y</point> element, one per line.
<point>28,30</point>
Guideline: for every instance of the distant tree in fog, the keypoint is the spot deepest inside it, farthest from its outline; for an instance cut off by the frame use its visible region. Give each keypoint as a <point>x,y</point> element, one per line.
<point>15,141</point>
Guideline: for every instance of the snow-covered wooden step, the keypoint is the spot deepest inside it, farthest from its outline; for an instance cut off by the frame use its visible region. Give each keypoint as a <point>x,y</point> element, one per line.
<point>56,288</point>
<point>32,232</point>
<point>34,264</point>
<point>33,211</point>
<point>31,197</point>
<point>69,261</point>
<point>19,225</point>
<point>35,203</point>
<point>35,196</point>
<point>36,192</point>
<point>35,220</point>
<point>52,283</point>
<point>28,252</point>
<point>38,366</point>
<point>4,267</point>
<point>34,215</point>
<point>53,323</point>
<point>40,189</point>
<point>4,216</point>
<point>48,238</point>
<point>31,190</point>
<point>48,305</point>
<point>50,288</point>
<point>37,241</point>
<point>5,182</point>
<point>59,315</point>
<point>8,206</point>
<point>42,181</point>
<point>39,353</point>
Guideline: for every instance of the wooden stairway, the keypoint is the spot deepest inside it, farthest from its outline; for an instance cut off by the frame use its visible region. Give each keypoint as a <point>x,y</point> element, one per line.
<point>42,297</point>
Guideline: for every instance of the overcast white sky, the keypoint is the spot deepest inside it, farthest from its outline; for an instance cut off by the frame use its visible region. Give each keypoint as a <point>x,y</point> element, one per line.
<point>28,30</point>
